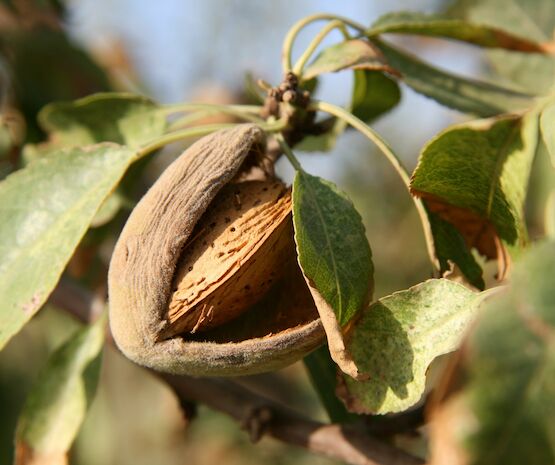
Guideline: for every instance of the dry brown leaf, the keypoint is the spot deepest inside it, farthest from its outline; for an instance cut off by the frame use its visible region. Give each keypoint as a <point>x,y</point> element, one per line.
<point>477,231</point>
<point>25,455</point>
<point>335,335</point>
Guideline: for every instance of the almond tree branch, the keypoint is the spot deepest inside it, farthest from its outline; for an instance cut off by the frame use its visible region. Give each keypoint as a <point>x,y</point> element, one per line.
<point>260,415</point>
<point>257,414</point>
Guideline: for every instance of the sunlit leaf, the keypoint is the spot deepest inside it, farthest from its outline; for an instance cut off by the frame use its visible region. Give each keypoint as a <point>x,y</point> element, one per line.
<point>547,124</point>
<point>475,176</point>
<point>395,340</point>
<point>511,369</point>
<point>60,398</point>
<point>350,54</point>
<point>334,256</point>
<point>45,210</point>
<point>332,246</point>
<point>440,26</point>
<point>109,117</point>
<point>457,92</point>
<point>533,19</point>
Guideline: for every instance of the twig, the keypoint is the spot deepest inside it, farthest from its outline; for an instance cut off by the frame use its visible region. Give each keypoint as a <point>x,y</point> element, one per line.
<point>257,414</point>
<point>336,441</point>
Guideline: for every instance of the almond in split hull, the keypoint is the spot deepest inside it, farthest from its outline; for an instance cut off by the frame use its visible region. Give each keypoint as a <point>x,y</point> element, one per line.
<point>234,256</point>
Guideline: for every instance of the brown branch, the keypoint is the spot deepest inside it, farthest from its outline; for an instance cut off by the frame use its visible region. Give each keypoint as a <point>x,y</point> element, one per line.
<point>257,414</point>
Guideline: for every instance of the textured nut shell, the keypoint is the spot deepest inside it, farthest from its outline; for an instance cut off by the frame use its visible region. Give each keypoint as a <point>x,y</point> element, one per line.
<point>236,252</point>
<point>146,255</point>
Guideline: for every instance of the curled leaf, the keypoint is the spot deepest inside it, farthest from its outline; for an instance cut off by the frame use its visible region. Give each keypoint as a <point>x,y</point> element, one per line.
<point>373,94</point>
<point>395,340</point>
<point>475,176</point>
<point>60,398</point>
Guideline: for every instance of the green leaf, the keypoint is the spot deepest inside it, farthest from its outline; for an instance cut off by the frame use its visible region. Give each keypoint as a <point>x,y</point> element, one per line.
<point>549,216</point>
<point>108,117</point>
<point>547,125</point>
<point>60,398</point>
<point>475,176</point>
<point>45,209</point>
<point>439,26</point>
<point>350,54</point>
<point>450,246</point>
<point>511,369</point>
<point>331,242</point>
<point>335,258</point>
<point>534,19</point>
<point>459,93</point>
<point>108,209</point>
<point>323,373</point>
<point>395,340</point>
<point>373,95</point>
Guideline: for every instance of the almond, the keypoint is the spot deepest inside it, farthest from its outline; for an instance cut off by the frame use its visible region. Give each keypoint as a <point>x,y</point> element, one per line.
<point>204,278</point>
<point>237,251</point>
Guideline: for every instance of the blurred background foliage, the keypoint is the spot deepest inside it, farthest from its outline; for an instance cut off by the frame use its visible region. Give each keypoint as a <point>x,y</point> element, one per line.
<point>185,50</point>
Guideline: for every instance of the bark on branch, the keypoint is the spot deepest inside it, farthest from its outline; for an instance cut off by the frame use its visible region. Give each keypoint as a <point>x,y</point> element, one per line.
<point>257,414</point>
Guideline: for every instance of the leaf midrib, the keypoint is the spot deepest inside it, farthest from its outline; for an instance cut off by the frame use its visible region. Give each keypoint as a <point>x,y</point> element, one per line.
<point>328,242</point>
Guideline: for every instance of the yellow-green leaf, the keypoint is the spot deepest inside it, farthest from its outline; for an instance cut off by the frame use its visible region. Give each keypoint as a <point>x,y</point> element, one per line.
<point>510,366</point>
<point>439,26</point>
<point>475,176</point>
<point>395,340</point>
<point>107,117</point>
<point>350,54</point>
<point>335,257</point>
<point>59,400</point>
<point>45,209</point>
<point>466,95</point>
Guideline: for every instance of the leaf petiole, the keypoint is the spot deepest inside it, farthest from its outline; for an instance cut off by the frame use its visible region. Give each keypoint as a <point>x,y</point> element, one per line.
<point>196,131</point>
<point>292,34</point>
<point>288,152</point>
<point>301,62</point>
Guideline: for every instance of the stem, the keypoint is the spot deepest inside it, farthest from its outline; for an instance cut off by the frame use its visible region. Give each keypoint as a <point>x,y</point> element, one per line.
<point>201,131</point>
<point>392,158</point>
<point>297,27</point>
<point>288,152</point>
<point>232,109</point>
<point>301,62</point>
<point>197,115</point>
<point>180,135</point>
<point>368,132</point>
